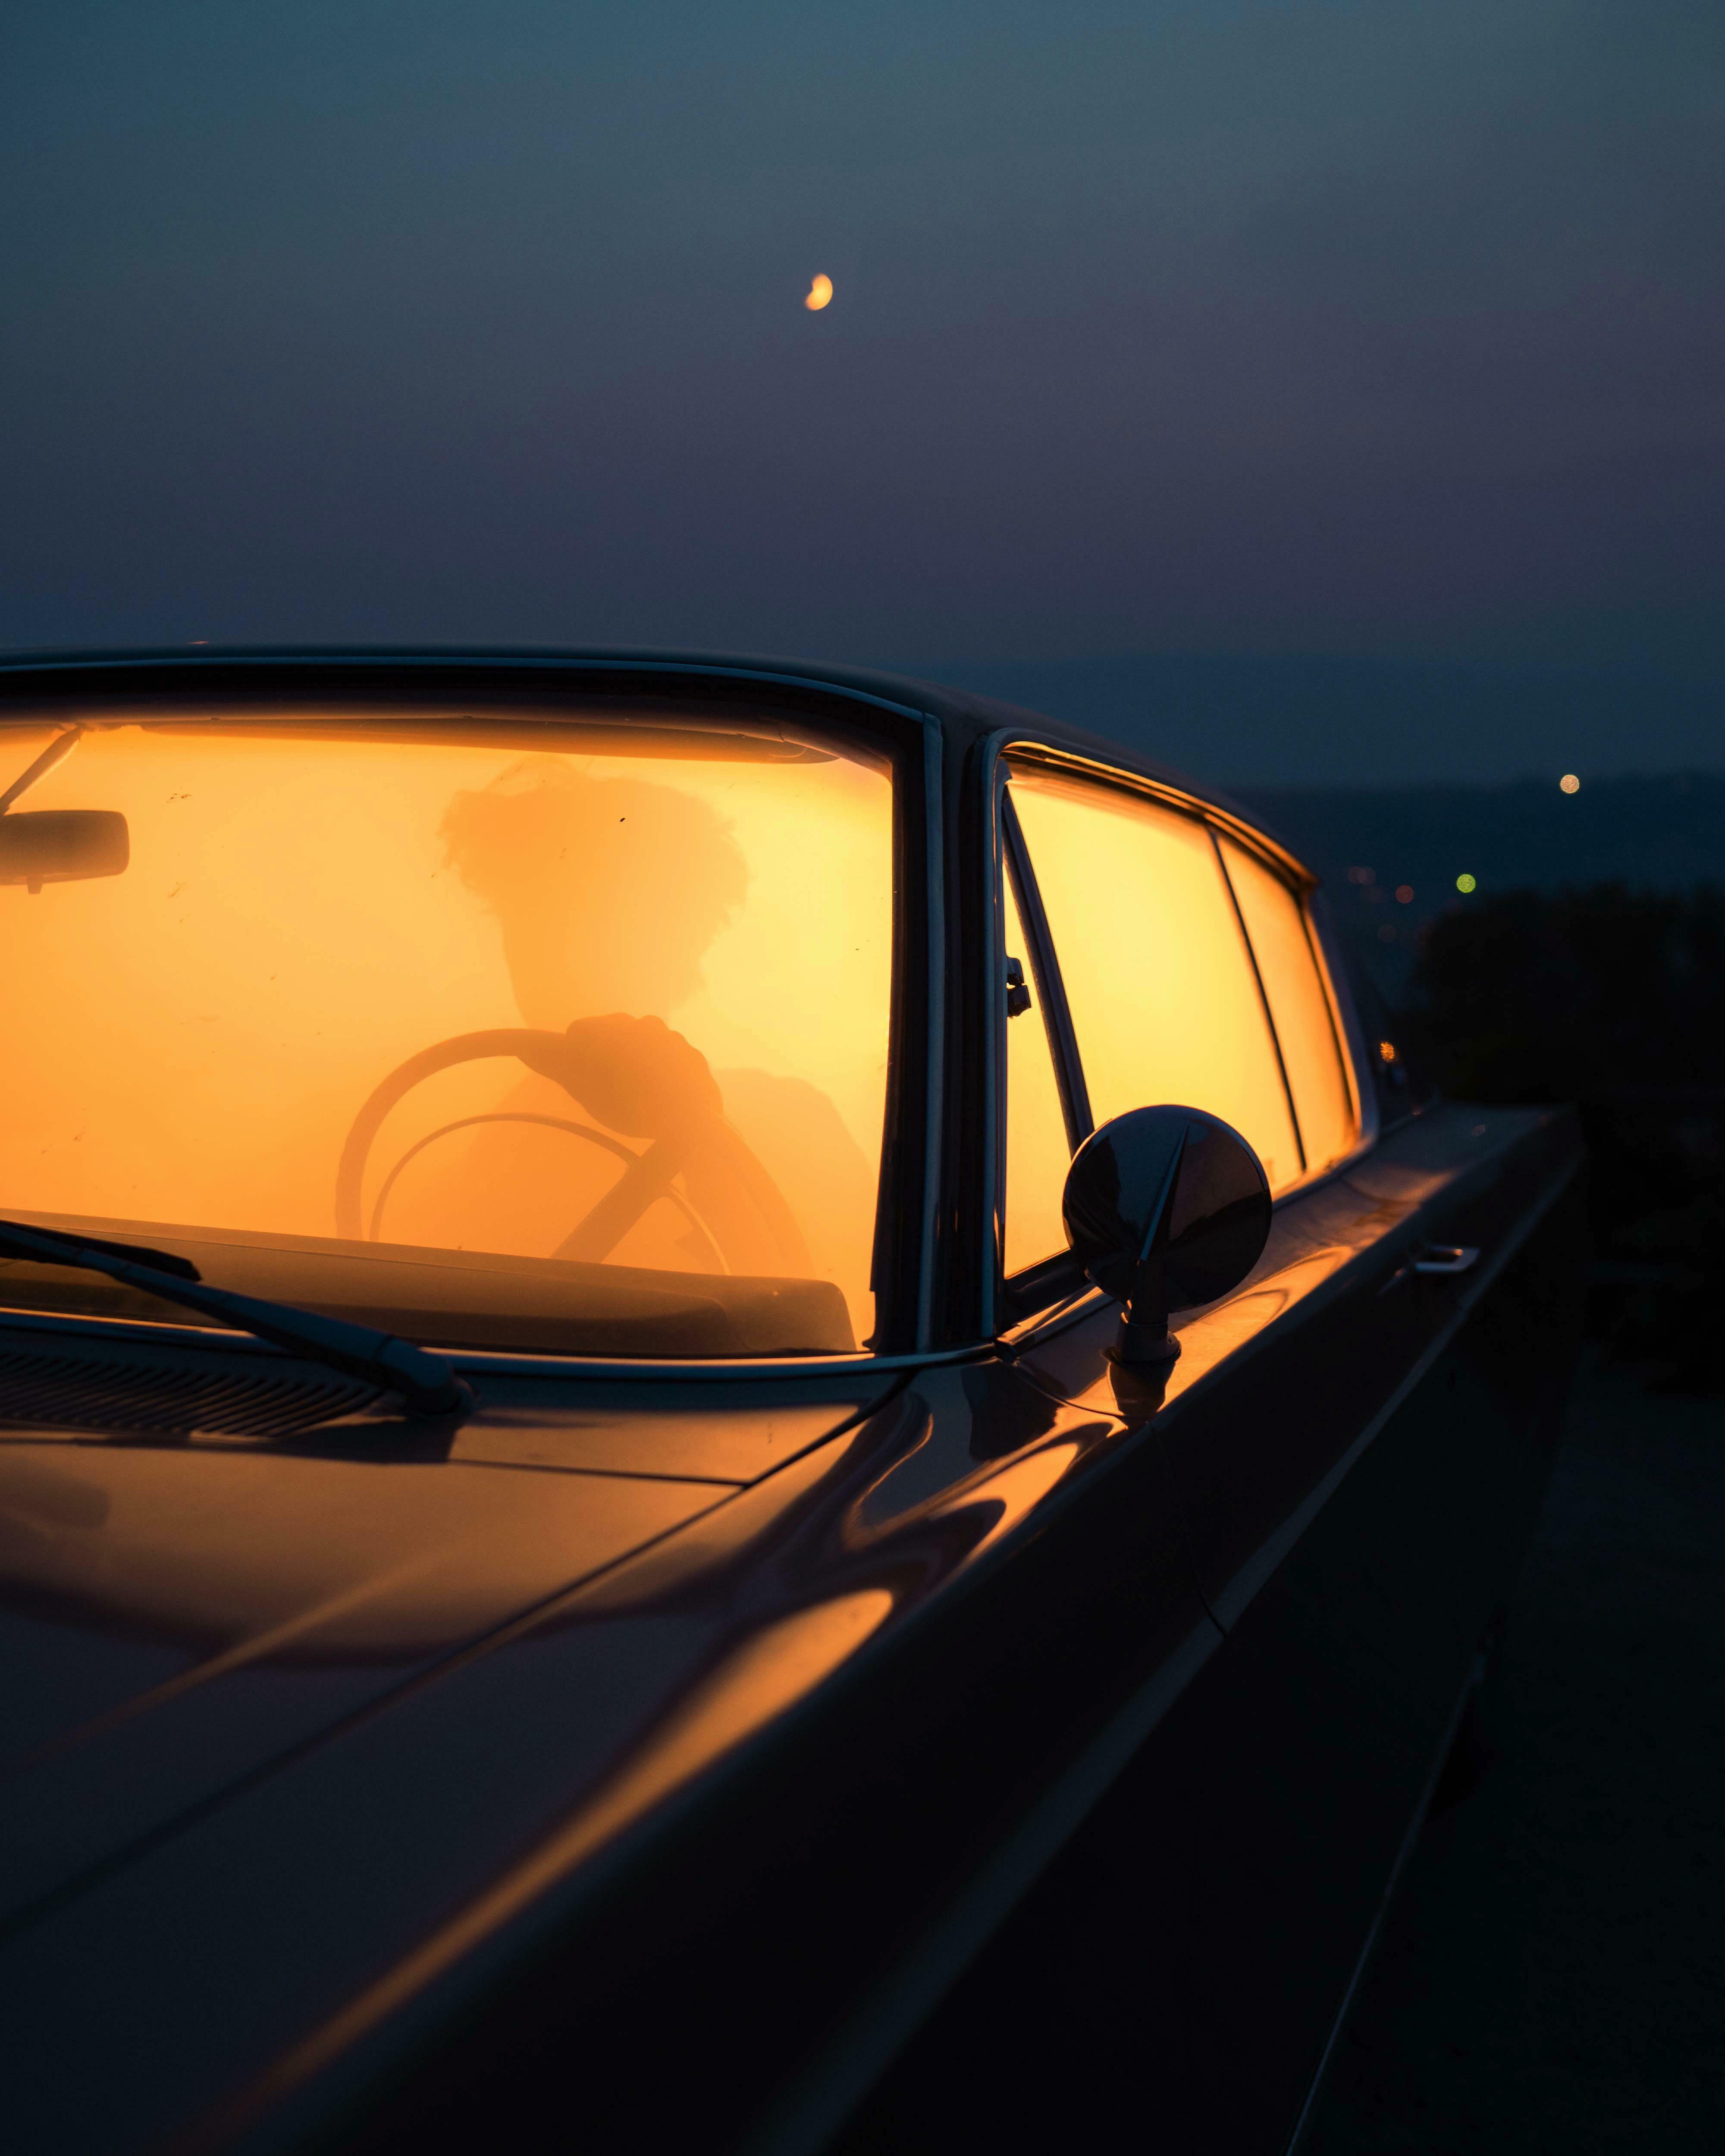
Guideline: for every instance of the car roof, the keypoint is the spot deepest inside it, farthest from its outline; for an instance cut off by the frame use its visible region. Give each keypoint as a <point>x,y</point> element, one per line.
<point>964,716</point>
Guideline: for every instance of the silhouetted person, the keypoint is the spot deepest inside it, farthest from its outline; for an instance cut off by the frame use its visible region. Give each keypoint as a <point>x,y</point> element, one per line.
<point>608,892</point>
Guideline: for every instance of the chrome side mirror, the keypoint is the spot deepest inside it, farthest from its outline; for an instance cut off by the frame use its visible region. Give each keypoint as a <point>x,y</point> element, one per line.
<point>1166,1208</point>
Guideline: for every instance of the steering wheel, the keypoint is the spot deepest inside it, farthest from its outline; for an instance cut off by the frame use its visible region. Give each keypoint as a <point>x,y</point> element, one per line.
<point>652,1084</point>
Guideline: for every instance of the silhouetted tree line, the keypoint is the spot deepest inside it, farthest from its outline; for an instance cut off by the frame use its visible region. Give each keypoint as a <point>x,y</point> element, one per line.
<point>1614,999</point>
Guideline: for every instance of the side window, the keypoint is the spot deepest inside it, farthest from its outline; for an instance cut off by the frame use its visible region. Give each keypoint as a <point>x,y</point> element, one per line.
<point>1305,1026</point>
<point>1164,999</point>
<point>1037,1154</point>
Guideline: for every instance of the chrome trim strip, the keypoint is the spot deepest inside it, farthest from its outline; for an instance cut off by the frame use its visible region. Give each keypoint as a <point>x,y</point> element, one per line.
<point>1030,1332</point>
<point>1042,1326</point>
<point>1012,741</point>
<point>502,1363</point>
<point>1281,1063</point>
<point>1416,1827</point>
<point>992,1226</point>
<point>934,1098</point>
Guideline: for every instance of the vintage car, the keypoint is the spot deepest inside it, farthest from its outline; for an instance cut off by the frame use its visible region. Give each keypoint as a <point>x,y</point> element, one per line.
<point>604,1541</point>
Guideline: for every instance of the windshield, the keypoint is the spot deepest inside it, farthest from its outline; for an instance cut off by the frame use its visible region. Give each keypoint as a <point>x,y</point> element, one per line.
<point>558,1036</point>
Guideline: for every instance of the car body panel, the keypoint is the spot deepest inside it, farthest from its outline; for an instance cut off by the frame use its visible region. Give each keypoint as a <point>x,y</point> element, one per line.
<point>898,1526</point>
<point>178,1615</point>
<point>664,1749</point>
<point>1209,1921</point>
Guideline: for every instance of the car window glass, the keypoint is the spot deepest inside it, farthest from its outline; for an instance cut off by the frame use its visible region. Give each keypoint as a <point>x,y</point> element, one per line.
<point>1275,922</point>
<point>312,904</point>
<point>1165,1003</point>
<point>1037,1154</point>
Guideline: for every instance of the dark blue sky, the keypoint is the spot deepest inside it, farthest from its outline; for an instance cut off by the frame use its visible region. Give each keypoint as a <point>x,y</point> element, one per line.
<point>1382,332</point>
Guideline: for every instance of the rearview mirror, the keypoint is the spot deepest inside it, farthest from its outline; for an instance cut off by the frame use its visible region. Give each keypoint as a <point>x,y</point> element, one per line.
<point>62,845</point>
<point>1166,1208</point>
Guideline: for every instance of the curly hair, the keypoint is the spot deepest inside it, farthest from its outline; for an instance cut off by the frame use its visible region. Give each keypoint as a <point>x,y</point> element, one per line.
<point>626,851</point>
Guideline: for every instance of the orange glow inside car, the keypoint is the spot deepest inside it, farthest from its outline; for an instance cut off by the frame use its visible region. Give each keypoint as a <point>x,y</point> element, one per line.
<point>1305,1026</point>
<point>311,901</point>
<point>1165,1001</point>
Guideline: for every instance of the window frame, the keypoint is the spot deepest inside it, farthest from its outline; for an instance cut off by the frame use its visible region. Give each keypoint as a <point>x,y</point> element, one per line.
<point>1038,1291</point>
<point>911,1252</point>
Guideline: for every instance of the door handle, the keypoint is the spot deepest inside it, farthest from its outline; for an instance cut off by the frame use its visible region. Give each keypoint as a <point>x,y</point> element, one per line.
<point>1446,1258</point>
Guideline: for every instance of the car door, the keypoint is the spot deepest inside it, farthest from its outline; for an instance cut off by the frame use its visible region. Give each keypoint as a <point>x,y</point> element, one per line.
<point>1356,1445</point>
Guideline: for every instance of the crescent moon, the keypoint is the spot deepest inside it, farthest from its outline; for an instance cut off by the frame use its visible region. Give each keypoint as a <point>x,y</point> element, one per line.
<point>819,293</point>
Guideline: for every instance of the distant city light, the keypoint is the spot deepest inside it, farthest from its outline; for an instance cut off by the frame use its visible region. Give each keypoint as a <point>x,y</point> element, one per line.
<point>1362,875</point>
<point>1466,883</point>
<point>1404,894</point>
<point>1569,783</point>
<point>1386,1050</point>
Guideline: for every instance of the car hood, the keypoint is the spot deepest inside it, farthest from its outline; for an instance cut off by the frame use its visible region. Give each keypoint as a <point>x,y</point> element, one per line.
<point>176,1616</point>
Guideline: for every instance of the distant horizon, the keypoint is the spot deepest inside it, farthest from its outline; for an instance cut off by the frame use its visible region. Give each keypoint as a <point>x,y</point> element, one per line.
<point>1390,857</point>
<point>1368,721</point>
<point>1681,776</point>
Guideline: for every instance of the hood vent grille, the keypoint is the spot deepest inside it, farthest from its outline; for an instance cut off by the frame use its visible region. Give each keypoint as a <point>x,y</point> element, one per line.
<point>164,1399</point>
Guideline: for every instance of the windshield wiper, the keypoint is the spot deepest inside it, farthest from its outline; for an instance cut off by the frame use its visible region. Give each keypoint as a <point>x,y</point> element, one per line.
<point>428,1385</point>
<point>58,750</point>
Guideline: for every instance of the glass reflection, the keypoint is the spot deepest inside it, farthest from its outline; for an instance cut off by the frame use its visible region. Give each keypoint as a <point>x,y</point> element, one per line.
<point>1275,922</point>
<point>308,904</point>
<point>1164,1002</point>
<point>1037,1154</point>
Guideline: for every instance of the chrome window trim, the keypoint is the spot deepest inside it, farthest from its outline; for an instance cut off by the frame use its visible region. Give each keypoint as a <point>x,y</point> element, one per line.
<point>934,1021</point>
<point>1008,742</point>
<point>916,1297</point>
<point>991,1277</point>
<point>1270,1024</point>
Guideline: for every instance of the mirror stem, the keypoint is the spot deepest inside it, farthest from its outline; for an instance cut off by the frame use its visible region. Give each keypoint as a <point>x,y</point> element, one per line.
<point>1143,1338</point>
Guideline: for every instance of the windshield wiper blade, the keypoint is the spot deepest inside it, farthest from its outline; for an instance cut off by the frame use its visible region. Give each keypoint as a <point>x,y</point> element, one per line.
<point>428,1385</point>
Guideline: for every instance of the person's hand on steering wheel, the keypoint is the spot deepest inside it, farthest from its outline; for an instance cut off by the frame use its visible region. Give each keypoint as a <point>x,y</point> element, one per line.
<point>637,1076</point>
<point>633,1074</point>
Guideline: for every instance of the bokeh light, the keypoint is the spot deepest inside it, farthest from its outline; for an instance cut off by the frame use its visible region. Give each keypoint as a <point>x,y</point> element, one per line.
<point>1465,883</point>
<point>1569,783</point>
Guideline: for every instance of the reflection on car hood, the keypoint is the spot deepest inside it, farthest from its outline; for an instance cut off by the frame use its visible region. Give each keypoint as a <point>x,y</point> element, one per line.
<point>173,1615</point>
